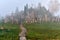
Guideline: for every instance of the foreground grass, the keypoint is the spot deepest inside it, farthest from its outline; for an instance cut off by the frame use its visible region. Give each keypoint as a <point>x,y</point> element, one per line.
<point>11,32</point>
<point>43,31</point>
<point>36,31</point>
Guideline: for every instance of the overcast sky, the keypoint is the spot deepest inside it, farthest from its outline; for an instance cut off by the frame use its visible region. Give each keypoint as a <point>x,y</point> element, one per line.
<point>7,6</point>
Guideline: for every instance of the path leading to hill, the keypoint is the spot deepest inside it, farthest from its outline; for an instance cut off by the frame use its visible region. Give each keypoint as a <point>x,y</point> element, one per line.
<point>23,32</point>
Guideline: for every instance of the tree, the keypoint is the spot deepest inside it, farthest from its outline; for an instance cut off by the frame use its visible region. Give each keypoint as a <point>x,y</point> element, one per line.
<point>12,18</point>
<point>54,6</point>
<point>17,10</point>
<point>25,10</point>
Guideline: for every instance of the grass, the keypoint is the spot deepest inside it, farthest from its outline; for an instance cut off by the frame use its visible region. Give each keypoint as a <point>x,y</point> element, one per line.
<point>35,31</point>
<point>11,32</point>
<point>43,31</point>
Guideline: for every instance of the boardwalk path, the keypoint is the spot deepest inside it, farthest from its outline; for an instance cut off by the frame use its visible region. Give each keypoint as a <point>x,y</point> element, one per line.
<point>23,32</point>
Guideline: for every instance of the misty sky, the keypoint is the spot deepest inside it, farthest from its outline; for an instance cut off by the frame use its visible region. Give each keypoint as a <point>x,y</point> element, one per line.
<point>7,6</point>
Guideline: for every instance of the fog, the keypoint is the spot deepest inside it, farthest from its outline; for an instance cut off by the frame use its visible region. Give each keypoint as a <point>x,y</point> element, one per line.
<point>7,6</point>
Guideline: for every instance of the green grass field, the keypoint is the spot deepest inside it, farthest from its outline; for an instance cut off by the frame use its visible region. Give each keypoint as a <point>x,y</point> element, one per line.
<point>10,32</point>
<point>35,31</point>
